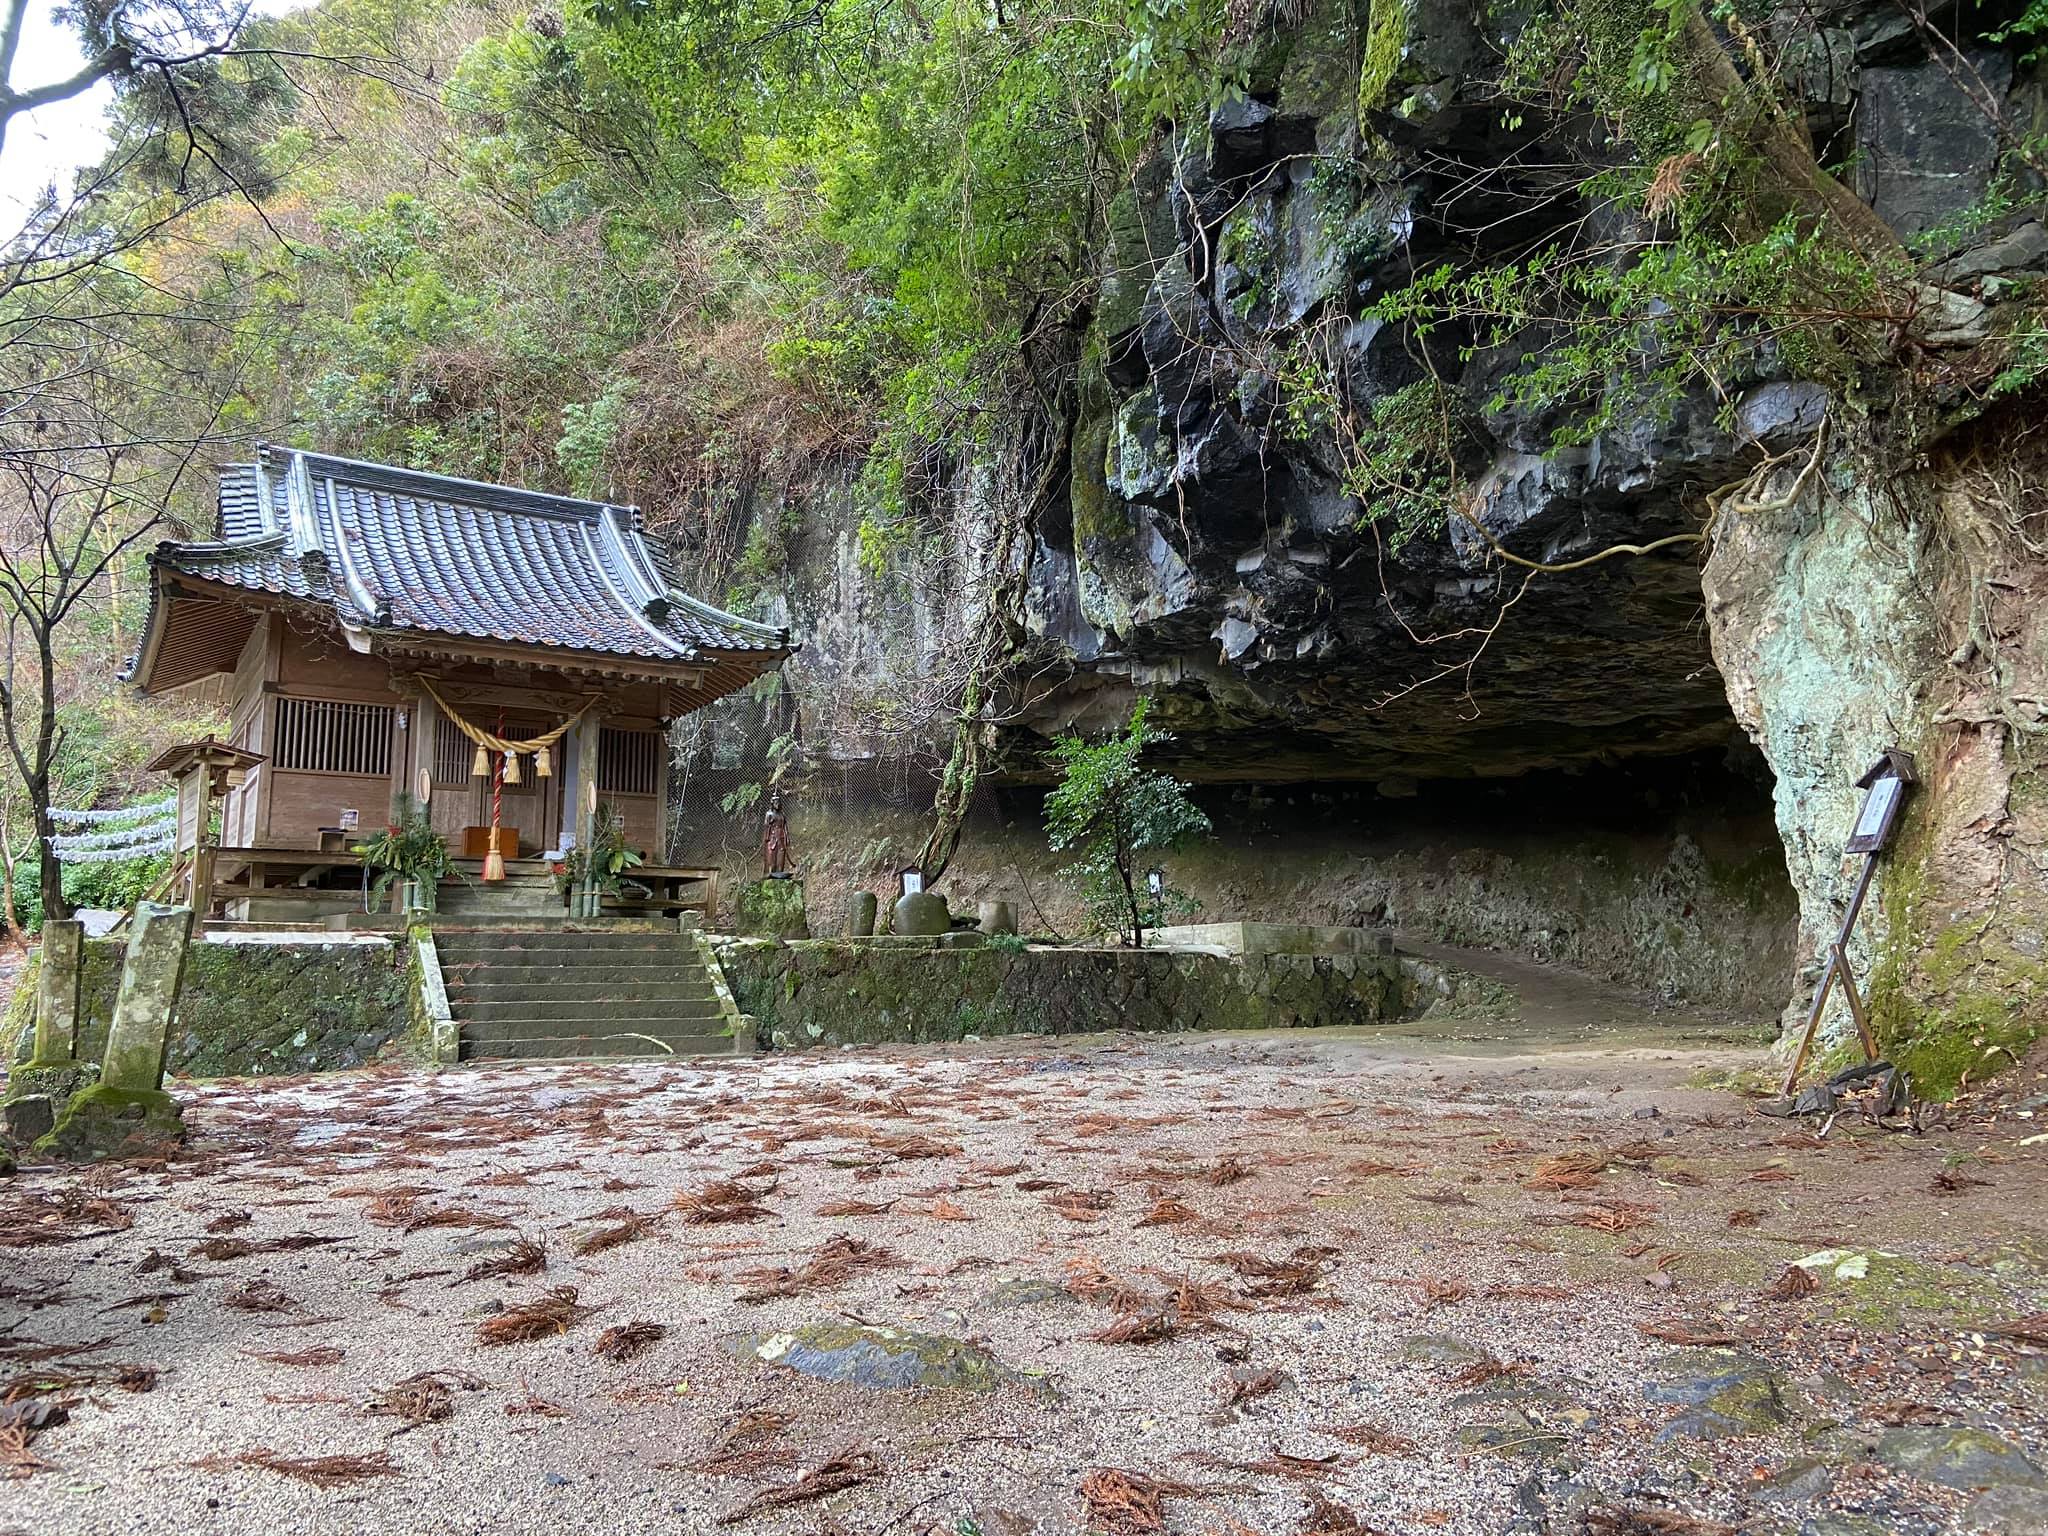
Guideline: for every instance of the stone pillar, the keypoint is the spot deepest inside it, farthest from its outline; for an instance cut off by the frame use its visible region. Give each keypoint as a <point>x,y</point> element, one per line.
<point>860,915</point>
<point>57,991</point>
<point>38,1091</point>
<point>128,1103</point>
<point>139,1038</point>
<point>995,917</point>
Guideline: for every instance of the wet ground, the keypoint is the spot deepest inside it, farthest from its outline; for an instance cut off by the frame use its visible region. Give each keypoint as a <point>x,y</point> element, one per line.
<point>1506,1275</point>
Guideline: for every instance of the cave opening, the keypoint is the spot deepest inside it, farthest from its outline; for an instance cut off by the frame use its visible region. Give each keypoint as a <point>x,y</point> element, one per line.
<point>1663,874</point>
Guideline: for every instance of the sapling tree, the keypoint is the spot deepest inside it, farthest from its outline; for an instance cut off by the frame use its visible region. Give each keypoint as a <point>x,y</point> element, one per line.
<point>1114,816</point>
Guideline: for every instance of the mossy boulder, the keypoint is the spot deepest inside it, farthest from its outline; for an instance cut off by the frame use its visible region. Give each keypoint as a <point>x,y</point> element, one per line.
<point>37,1096</point>
<point>1957,1456</point>
<point>1442,1349</point>
<point>2012,1509</point>
<point>1723,1393</point>
<point>878,1358</point>
<point>103,1121</point>
<point>772,909</point>
<point>1010,1295</point>
<point>1872,1288</point>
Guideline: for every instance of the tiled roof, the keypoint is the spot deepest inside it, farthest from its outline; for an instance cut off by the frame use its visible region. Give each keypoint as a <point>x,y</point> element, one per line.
<point>393,550</point>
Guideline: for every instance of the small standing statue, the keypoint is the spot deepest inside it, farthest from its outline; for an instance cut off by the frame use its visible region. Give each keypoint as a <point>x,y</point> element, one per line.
<point>776,858</point>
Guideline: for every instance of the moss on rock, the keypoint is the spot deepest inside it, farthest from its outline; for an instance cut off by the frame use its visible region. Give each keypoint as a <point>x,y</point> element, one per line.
<point>103,1120</point>
<point>252,1009</point>
<point>772,909</point>
<point>827,992</point>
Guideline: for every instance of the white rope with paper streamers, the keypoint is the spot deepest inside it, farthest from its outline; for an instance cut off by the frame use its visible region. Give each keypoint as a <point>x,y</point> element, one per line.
<point>122,855</point>
<point>154,831</point>
<point>94,842</point>
<point>117,813</point>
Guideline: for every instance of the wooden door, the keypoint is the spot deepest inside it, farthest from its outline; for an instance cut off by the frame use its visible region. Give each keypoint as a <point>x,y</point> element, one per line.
<point>532,805</point>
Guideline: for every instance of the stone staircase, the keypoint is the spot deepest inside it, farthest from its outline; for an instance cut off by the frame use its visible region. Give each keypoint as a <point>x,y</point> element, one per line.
<point>557,991</point>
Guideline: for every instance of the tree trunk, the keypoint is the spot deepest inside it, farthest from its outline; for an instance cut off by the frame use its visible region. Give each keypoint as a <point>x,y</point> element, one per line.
<point>1125,856</point>
<point>51,871</point>
<point>956,789</point>
<point>8,914</point>
<point>1723,94</point>
<point>39,782</point>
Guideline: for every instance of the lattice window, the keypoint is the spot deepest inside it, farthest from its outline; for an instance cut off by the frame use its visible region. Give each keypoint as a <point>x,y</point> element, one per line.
<point>333,736</point>
<point>629,762</point>
<point>454,753</point>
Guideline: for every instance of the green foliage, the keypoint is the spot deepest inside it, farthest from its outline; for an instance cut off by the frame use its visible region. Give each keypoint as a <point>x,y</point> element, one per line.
<point>1112,814</point>
<point>588,433</point>
<point>113,886</point>
<point>407,849</point>
<point>606,860</point>
<point>1642,334</point>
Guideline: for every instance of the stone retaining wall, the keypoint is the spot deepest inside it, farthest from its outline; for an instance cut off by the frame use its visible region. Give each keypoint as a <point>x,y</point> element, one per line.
<point>252,1009</point>
<point>827,992</point>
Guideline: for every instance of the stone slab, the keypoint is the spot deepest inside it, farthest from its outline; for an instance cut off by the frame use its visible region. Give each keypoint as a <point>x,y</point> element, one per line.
<point>138,1037</point>
<point>1246,938</point>
<point>57,984</point>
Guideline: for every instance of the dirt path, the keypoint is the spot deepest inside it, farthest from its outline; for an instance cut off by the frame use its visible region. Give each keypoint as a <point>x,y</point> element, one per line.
<point>1560,1006</point>
<point>1302,1283</point>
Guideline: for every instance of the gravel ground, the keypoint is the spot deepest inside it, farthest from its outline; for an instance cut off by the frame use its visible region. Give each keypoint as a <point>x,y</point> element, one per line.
<point>1487,1338</point>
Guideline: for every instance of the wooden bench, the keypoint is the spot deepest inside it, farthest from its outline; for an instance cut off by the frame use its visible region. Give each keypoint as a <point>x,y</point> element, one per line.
<point>676,889</point>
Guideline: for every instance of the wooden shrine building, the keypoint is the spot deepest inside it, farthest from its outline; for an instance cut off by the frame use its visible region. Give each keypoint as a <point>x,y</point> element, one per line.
<point>375,622</point>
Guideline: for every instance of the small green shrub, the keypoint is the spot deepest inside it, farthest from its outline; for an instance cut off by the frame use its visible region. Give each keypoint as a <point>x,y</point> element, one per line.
<point>1111,814</point>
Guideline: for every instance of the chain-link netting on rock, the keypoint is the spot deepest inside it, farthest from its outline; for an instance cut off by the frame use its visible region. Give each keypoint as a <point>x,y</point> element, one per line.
<point>855,821</point>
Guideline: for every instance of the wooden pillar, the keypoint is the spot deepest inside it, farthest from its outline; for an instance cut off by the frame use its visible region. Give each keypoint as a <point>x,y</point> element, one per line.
<point>588,730</point>
<point>201,898</point>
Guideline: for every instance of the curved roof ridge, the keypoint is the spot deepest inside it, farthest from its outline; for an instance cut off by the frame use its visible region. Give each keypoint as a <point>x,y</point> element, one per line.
<point>425,482</point>
<point>716,615</point>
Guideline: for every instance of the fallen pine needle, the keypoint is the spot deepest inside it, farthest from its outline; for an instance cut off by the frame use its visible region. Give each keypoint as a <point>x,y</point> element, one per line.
<point>723,1201</point>
<point>524,1257</point>
<point>1686,1333</point>
<point>848,1468</point>
<point>622,1341</point>
<point>1167,1212</point>
<point>1371,1437</point>
<point>1622,1520</point>
<point>1793,1284</point>
<point>320,1354</point>
<point>1122,1502</point>
<point>551,1312</point>
<point>320,1471</point>
<point>630,1229</point>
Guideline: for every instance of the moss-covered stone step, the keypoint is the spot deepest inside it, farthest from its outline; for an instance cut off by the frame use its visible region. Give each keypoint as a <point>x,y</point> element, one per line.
<point>547,1017</point>
<point>496,942</point>
<point>590,973</point>
<point>575,994</point>
<point>498,1033</point>
<point>645,1042</point>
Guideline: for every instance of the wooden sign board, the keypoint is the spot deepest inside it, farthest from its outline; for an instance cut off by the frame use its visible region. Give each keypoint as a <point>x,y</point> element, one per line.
<point>1884,792</point>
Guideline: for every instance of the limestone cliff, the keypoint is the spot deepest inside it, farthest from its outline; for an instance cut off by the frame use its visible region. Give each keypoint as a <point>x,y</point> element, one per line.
<point>1171,520</point>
